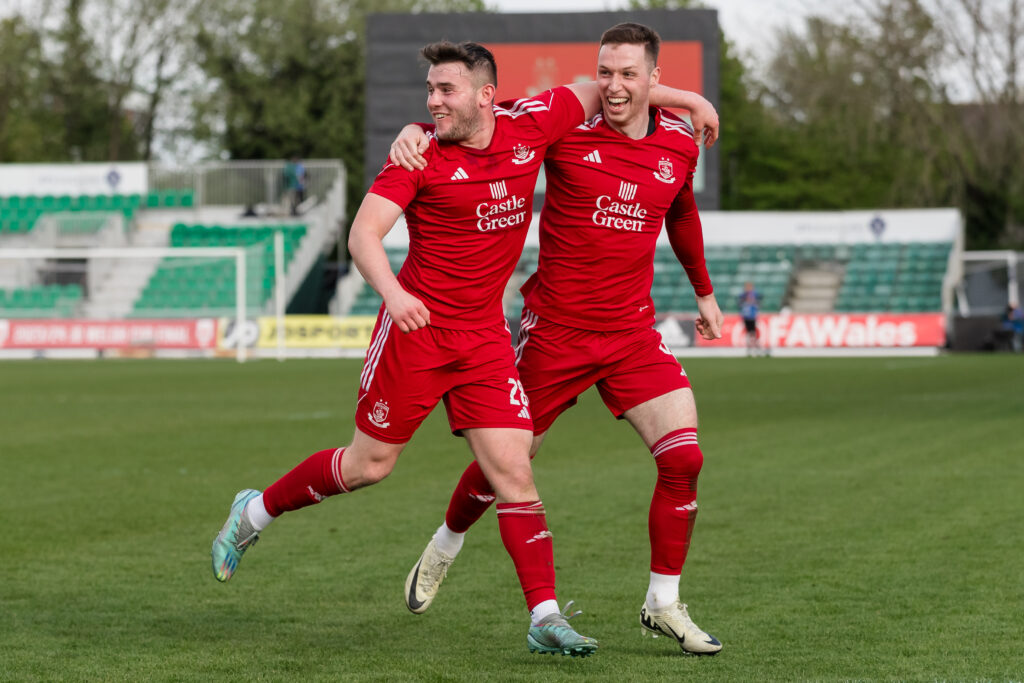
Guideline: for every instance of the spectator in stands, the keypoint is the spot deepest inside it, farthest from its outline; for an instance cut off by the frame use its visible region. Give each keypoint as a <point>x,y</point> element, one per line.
<point>295,184</point>
<point>1013,323</point>
<point>750,306</point>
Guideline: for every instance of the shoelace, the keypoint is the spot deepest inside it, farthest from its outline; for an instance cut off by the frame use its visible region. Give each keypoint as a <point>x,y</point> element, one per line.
<point>247,542</point>
<point>562,618</point>
<point>245,535</point>
<point>686,617</point>
<point>437,572</point>
<point>565,610</point>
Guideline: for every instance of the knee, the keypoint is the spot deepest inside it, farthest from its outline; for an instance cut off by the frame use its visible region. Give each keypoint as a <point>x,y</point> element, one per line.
<point>515,483</point>
<point>366,466</point>
<point>376,470</point>
<point>677,473</point>
<point>680,463</point>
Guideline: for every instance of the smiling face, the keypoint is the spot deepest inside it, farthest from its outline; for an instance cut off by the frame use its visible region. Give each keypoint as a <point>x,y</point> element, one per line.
<point>456,102</point>
<point>625,79</point>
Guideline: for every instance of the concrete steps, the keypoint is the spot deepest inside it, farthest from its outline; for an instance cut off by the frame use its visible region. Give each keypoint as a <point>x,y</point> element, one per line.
<point>115,285</point>
<point>815,289</point>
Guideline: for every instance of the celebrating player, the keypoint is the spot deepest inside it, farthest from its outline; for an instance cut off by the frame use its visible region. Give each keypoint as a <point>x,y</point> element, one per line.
<point>588,315</point>
<point>467,216</point>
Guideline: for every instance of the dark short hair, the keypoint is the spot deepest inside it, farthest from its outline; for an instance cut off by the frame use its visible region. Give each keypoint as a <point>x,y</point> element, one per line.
<point>631,33</point>
<point>477,58</point>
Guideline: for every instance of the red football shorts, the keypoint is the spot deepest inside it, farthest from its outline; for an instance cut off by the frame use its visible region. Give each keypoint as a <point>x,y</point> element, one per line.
<point>405,375</point>
<point>558,363</point>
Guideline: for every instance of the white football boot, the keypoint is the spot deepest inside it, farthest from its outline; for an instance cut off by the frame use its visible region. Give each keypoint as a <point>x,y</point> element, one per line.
<point>425,578</point>
<point>674,622</point>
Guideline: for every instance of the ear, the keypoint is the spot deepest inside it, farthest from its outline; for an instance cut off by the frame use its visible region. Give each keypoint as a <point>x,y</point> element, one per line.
<point>485,95</point>
<point>655,76</point>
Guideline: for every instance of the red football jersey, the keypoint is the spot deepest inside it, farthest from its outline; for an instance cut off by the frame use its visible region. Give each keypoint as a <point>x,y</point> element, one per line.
<point>607,199</point>
<point>468,211</point>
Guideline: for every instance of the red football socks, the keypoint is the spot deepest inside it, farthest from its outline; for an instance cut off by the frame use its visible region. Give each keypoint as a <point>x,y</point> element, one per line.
<point>470,499</point>
<point>674,504</point>
<point>524,531</point>
<point>312,480</point>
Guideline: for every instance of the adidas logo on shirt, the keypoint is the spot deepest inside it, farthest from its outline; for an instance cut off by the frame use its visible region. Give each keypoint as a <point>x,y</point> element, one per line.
<point>593,157</point>
<point>459,174</point>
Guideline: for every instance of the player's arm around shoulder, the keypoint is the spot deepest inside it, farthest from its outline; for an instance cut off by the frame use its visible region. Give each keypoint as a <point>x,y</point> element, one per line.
<point>703,115</point>
<point>410,147</point>
<point>375,218</point>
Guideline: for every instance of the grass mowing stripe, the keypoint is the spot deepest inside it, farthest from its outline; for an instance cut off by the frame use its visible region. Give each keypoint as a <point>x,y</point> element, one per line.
<point>859,519</point>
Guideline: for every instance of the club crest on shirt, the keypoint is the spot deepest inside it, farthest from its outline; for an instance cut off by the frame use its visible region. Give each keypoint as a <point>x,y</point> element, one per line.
<point>379,414</point>
<point>664,172</point>
<point>522,153</point>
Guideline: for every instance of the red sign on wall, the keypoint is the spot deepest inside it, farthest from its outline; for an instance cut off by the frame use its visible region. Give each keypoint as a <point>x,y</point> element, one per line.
<point>108,334</point>
<point>835,330</point>
<point>525,69</point>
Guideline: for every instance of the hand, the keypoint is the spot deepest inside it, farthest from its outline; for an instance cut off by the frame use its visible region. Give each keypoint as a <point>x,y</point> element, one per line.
<point>406,311</point>
<point>709,320</point>
<point>408,148</point>
<point>705,123</point>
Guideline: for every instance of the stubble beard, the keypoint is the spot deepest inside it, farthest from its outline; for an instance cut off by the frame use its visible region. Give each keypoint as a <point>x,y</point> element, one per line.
<point>463,126</point>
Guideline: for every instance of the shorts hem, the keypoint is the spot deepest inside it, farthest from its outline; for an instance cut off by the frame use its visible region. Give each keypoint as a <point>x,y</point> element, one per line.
<point>383,437</point>
<point>619,413</point>
<point>538,429</point>
<point>457,431</point>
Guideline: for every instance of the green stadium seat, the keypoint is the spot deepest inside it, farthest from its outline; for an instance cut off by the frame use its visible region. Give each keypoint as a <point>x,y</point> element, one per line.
<point>210,285</point>
<point>665,278</point>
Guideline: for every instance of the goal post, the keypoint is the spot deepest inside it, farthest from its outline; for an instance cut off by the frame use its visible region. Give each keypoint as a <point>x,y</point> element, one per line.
<point>107,285</point>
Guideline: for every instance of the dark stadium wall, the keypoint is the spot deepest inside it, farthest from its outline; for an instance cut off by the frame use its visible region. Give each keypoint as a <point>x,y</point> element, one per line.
<point>396,95</point>
<point>315,291</point>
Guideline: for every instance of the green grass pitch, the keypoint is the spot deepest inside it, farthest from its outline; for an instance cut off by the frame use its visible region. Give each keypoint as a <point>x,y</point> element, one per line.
<point>860,519</point>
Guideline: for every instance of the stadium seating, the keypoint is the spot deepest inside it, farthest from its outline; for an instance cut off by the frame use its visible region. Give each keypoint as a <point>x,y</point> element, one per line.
<point>170,199</point>
<point>878,277</point>
<point>40,301</point>
<point>894,277</point>
<point>18,214</point>
<point>769,267</point>
<point>207,287</point>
